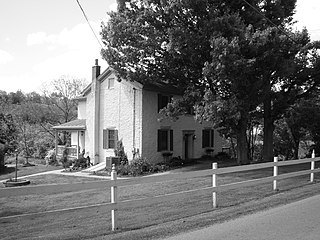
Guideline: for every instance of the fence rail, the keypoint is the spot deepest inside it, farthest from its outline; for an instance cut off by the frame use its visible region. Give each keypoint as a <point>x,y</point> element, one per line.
<point>114,206</point>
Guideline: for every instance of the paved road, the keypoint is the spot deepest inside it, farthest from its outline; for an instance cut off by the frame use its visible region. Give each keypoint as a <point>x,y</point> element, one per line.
<point>295,221</point>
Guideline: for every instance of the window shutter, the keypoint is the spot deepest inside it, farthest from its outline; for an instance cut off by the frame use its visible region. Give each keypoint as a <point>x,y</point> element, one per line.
<point>171,140</point>
<point>105,139</point>
<point>203,138</point>
<point>212,138</point>
<point>116,138</point>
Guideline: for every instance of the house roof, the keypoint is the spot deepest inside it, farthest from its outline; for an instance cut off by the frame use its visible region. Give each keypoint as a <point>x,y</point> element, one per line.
<point>162,87</point>
<point>78,124</point>
<point>154,87</point>
<point>101,78</point>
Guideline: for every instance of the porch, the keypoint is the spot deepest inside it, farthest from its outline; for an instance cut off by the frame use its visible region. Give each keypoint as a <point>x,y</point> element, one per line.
<point>72,151</point>
<point>76,144</point>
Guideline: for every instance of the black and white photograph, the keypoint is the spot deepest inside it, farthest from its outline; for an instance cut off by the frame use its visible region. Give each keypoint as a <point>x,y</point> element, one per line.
<point>160,119</point>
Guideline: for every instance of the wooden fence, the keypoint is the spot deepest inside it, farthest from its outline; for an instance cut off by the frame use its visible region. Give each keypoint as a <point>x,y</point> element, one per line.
<point>114,206</point>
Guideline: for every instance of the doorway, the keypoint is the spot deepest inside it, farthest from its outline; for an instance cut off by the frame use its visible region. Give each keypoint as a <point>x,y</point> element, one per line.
<point>188,144</point>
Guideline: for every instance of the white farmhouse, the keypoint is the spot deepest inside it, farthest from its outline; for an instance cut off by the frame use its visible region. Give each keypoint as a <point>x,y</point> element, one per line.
<point>112,109</point>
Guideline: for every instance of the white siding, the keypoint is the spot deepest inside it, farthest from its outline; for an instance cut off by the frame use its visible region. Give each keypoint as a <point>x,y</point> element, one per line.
<point>151,124</point>
<point>82,106</point>
<point>116,111</point>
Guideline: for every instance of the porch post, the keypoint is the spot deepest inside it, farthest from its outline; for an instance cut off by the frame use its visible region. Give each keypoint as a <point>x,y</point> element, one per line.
<point>78,144</point>
<point>56,141</point>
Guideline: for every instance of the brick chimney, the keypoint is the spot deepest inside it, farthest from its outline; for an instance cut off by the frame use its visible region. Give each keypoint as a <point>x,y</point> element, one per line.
<point>95,70</point>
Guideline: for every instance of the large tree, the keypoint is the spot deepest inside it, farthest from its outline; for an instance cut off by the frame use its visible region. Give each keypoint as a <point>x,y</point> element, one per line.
<point>229,56</point>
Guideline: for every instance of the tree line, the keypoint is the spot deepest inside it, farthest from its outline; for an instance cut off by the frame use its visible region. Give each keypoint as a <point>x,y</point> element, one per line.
<point>241,64</point>
<point>26,119</point>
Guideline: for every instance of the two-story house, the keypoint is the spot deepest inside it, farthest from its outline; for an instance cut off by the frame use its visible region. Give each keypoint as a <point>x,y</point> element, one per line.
<point>112,109</point>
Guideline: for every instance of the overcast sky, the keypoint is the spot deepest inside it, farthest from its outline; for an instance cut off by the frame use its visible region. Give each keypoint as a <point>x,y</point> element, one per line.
<point>41,40</point>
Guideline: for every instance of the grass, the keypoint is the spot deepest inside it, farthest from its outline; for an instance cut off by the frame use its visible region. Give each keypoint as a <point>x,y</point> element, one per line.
<point>39,166</point>
<point>149,221</point>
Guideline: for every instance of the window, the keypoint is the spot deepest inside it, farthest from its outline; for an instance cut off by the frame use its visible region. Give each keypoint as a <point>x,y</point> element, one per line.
<point>207,138</point>
<point>163,101</point>
<point>165,140</point>
<point>110,83</point>
<point>110,138</point>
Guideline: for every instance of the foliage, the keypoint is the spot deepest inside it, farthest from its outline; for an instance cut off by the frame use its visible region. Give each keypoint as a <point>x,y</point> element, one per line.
<point>8,132</point>
<point>174,162</point>
<point>232,63</point>
<point>81,162</point>
<point>119,152</point>
<point>51,158</point>
<point>140,166</point>
<point>26,119</point>
<point>66,163</point>
<point>221,157</point>
<point>58,104</point>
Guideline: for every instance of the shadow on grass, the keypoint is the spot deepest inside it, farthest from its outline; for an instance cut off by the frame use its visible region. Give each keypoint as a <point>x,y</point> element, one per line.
<point>8,170</point>
<point>204,164</point>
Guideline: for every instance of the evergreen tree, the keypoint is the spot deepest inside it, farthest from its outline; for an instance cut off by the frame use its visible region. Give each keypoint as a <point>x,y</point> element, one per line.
<point>233,59</point>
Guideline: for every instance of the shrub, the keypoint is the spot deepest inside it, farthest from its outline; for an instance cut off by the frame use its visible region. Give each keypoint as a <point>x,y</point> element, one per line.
<point>81,162</point>
<point>221,157</point>
<point>160,167</point>
<point>119,152</point>
<point>176,161</point>
<point>139,166</point>
<point>64,159</point>
<point>51,158</point>
<point>66,163</point>
<point>123,169</point>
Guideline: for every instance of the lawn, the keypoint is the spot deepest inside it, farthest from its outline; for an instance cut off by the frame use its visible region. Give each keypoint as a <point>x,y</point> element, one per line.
<point>149,221</point>
<point>39,166</point>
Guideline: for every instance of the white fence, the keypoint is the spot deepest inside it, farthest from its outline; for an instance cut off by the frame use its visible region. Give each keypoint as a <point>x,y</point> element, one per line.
<point>114,206</point>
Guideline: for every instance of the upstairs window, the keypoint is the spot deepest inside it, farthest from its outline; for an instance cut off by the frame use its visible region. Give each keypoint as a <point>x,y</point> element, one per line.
<point>110,138</point>
<point>207,138</point>
<point>163,101</point>
<point>165,140</point>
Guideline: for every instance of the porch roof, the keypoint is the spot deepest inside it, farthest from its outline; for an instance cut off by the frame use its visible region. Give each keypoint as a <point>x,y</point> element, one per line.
<point>78,124</point>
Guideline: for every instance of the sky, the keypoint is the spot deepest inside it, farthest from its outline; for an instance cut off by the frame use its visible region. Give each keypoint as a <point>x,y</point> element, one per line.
<point>42,40</point>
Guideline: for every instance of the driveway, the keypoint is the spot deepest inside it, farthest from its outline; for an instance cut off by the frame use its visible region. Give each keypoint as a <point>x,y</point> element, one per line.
<point>295,221</point>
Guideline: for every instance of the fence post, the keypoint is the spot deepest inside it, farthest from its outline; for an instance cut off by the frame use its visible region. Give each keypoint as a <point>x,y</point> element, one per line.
<point>313,155</point>
<point>214,184</point>
<point>275,173</point>
<point>114,198</point>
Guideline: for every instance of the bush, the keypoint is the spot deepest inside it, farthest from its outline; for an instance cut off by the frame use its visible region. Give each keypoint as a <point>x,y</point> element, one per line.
<point>221,157</point>
<point>81,162</point>
<point>139,167</point>
<point>175,162</point>
<point>160,167</point>
<point>119,152</point>
<point>51,158</point>
<point>66,163</point>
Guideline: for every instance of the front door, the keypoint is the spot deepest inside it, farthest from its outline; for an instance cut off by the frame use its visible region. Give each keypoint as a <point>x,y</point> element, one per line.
<point>188,144</point>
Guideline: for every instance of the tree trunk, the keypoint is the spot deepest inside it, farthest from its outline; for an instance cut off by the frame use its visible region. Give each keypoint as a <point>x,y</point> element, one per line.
<point>296,149</point>
<point>242,143</point>
<point>268,128</point>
